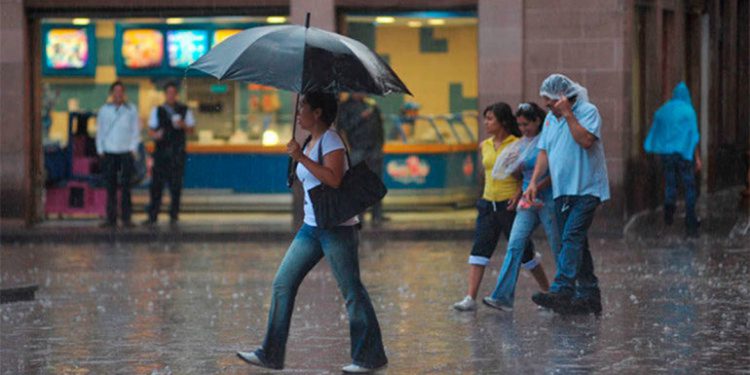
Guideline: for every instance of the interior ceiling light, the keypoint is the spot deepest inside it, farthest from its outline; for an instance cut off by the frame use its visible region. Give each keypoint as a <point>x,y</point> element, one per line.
<point>81,21</point>
<point>414,23</point>
<point>174,21</point>
<point>385,19</point>
<point>436,22</point>
<point>275,19</point>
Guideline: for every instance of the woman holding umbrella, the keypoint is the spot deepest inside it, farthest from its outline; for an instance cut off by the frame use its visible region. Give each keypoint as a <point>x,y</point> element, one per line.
<point>339,246</point>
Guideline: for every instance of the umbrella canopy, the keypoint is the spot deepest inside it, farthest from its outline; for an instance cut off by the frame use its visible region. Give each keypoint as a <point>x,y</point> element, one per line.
<point>300,59</point>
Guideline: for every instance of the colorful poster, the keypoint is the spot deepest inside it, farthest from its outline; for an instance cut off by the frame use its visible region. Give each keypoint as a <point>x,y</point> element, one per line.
<point>67,49</point>
<point>142,48</point>
<point>221,35</point>
<point>186,46</point>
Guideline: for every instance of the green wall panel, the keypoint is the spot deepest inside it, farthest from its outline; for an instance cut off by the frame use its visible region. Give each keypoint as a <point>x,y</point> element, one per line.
<point>458,102</point>
<point>90,96</point>
<point>105,52</point>
<point>428,44</point>
<point>362,32</point>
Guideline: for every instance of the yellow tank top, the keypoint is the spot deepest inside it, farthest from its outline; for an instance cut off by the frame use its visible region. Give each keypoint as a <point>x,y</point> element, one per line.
<point>497,190</point>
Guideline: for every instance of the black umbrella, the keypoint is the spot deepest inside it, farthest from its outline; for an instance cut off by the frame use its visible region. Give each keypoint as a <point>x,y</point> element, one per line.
<point>300,59</point>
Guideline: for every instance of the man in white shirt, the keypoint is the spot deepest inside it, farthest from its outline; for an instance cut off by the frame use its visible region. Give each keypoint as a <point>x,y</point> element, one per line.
<point>168,126</point>
<point>117,139</point>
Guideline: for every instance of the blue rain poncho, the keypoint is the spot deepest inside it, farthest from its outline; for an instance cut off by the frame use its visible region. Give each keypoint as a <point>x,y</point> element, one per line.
<point>675,127</point>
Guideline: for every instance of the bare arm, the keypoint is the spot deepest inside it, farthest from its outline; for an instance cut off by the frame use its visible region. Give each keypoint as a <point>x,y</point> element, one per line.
<point>580,134</point>
<point>540,168</point>
<point>330,173</point>
<point>544,183</point>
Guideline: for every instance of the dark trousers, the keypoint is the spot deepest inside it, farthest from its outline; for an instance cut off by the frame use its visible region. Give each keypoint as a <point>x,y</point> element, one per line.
<point>166,171</point>
<point>575,267</point>
<point>493,220</point>
<point>677,169</point>
<point>113,165</point>
<point>374,161</point>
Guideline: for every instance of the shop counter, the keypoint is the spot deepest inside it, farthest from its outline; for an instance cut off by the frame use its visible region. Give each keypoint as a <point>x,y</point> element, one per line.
<point>414,174</point>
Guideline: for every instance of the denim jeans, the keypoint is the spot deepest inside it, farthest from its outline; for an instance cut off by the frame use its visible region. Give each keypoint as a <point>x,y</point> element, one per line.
<point>575,268</point>
<point>339,246</point>
<point>678,169</point>
<point>523,226</point>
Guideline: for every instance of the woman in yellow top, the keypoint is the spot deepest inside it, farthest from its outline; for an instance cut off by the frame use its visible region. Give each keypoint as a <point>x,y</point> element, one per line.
<point>496,208</point>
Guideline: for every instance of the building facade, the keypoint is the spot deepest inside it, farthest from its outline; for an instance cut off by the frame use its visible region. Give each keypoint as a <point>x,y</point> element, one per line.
<point>629,54</point>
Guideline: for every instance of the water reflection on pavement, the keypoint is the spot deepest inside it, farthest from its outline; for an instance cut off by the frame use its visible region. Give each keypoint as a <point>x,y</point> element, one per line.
<point>186,308</point>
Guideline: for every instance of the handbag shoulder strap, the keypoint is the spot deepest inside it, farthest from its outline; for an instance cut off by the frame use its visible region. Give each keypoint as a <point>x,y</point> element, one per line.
<point>307,141</point>
<point>346,150</point>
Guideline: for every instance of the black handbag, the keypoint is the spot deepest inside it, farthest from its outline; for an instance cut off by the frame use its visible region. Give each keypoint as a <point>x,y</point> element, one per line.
<point>360,188</point>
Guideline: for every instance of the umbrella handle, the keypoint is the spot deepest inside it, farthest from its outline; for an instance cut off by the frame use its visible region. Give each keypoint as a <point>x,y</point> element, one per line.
<point>291,164</point>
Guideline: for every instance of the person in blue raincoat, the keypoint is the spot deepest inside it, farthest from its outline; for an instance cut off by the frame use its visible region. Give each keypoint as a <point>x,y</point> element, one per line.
<point>674,137</point>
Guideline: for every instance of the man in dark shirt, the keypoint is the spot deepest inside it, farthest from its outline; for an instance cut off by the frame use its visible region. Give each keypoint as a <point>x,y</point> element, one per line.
<point>168,126</point>
<point>360,122</point>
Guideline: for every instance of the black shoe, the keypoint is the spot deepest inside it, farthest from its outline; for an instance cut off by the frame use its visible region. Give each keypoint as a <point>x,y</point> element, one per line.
<point>551,300</point>
<point>173,222</point>
<point>107,225</point>
<point>128,224</point>
<point>148,222</point>
<point>581,306</point>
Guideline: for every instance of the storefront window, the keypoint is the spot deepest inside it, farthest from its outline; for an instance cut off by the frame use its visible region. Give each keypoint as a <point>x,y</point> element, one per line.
<point>435,54</point>
<point>80,62</point>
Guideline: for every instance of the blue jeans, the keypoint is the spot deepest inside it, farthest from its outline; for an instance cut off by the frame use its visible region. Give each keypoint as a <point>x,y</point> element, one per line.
<point>678,169</point>
<point>575,268</point>
<point>523,226</point>
<point>340,248</point>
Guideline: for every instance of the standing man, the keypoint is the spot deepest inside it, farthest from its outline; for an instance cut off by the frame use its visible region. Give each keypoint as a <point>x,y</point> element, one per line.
<point>168,125</point>
<point>572,150</point>
<point>674,137</point>
<point>361,123</point>
<point>118,134</point>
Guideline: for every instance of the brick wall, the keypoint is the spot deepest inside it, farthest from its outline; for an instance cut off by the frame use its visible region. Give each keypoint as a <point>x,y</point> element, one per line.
<point>587,41</point>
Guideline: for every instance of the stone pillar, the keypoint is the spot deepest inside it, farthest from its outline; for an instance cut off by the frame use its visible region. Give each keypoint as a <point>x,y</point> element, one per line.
<point>500,53</point>
<point>322,16</point>
<point>322,13</point>
<point>15,138</point>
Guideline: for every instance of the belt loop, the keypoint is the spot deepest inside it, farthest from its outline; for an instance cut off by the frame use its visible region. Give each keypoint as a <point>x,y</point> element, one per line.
<point>494,206</point>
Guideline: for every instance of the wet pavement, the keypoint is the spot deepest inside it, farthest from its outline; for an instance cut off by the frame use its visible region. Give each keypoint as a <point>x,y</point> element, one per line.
<point>185,308</point>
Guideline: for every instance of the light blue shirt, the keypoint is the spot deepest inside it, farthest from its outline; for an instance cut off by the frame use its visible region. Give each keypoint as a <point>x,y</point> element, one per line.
<point>118,129</point>
<point>574,169</point>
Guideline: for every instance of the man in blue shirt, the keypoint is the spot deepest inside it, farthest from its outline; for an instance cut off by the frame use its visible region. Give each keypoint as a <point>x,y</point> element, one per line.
<point>571,149</point>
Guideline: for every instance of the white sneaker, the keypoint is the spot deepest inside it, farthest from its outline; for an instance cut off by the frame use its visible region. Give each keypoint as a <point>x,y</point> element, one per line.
<point>356,369</point>
<point>251,358</point>
<point>466,304</point>
<point>497,304</point>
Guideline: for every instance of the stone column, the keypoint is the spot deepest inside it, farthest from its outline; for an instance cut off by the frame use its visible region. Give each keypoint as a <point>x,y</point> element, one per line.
<point>15,137</point>
<point>500,53</point>
<point>322,16</point>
